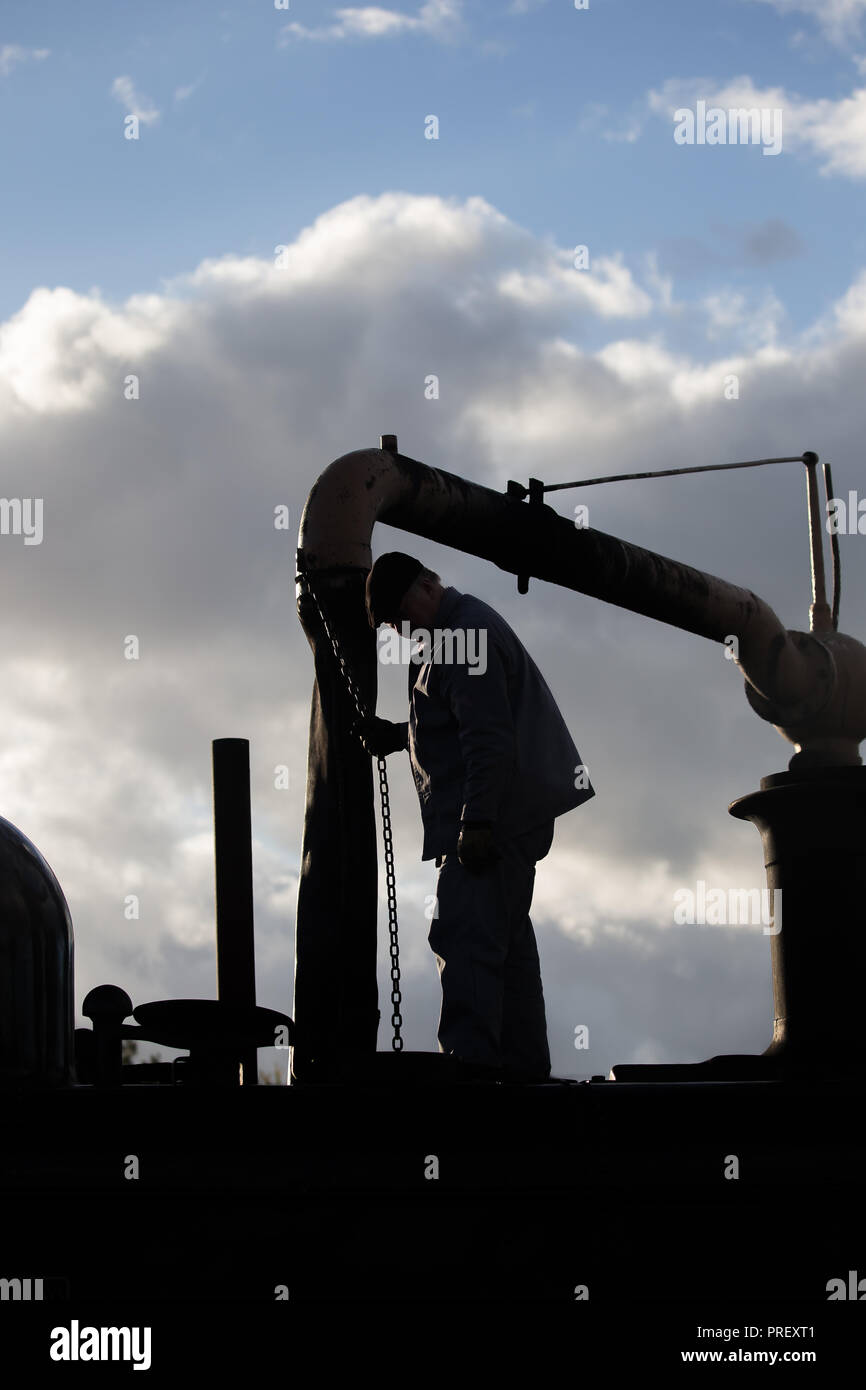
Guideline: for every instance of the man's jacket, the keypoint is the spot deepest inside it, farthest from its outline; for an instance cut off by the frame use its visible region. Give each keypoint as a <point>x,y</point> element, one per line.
<point>486,741</point>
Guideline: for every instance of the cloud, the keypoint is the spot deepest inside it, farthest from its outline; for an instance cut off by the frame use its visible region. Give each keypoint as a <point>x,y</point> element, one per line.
<point>158,523</point>
<point>833,131</point>
<point>441,19</point>
<point>729,309</point>
<point>11,54</point>
<point>123,91</point>
<point>764,243</point>
<point>839,20</point>
<point>728,247</point>
<point>596,116</point>
<point>608,290</point>
<point>183,93</point>
<point>56,354</point>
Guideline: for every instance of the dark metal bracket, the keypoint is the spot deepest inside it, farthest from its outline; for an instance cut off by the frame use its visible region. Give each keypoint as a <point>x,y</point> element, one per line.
<point>535,491</point>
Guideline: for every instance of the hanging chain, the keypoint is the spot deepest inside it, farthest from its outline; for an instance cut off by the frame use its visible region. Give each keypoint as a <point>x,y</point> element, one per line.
<point>387,837</point>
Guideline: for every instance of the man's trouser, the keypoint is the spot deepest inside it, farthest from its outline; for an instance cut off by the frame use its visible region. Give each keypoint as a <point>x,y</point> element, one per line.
<point>486,953</point>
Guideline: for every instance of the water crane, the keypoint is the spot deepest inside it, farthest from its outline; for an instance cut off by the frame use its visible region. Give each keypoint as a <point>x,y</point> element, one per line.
<point>810,685</point>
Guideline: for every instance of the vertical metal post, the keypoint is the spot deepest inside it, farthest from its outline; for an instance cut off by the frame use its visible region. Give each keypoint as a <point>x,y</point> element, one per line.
<point>820,616</point>
<point>236,958</point>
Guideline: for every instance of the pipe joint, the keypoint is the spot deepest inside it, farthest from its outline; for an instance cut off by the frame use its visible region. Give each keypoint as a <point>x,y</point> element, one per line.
<point>827,723</point>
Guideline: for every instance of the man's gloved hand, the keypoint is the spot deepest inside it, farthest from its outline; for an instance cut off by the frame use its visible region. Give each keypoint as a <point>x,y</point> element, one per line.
<point>379,736</point>
<point>476,847</point>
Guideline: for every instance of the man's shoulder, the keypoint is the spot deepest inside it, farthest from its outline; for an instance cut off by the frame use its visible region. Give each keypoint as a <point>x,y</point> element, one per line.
<point>466,609</point>
<point>468,613</point>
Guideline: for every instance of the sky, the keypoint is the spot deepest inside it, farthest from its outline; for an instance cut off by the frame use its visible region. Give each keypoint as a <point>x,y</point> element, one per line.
<point>236,243</point>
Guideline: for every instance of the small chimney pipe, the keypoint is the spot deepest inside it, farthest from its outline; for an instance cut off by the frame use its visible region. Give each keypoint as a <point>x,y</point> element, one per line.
<point>236,959</point>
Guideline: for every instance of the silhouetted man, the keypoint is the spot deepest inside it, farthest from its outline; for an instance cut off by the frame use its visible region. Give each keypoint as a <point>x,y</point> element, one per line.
<point>494,765</point>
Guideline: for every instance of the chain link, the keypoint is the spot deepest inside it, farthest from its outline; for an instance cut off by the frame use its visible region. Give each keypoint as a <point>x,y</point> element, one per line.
<point>390,871</point>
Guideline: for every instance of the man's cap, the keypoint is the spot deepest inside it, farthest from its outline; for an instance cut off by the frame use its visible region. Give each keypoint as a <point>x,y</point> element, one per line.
<point>387,582</point>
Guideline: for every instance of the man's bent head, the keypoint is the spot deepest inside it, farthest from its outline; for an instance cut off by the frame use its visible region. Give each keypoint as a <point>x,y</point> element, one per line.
<point>399,589</point>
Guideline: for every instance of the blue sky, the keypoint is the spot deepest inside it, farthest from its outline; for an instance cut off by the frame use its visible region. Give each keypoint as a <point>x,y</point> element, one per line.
<point>542,108</point>
<point>304,128</point>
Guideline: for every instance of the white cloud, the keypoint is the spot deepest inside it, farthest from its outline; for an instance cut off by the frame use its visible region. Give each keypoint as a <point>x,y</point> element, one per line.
<point>729,309</point>
<point>625,134</point>
<point>11,54</point>
<point>838,19</point>
<point>619,129</point>
<point>834,131</point>
<point>726,309</point>
<point>440,19</point>
<point>122,90</point>
<point>607,289</point>
<point>183,93</point>
<point>57,353</point>
<point>661,285</point>
<point>849,313</point>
